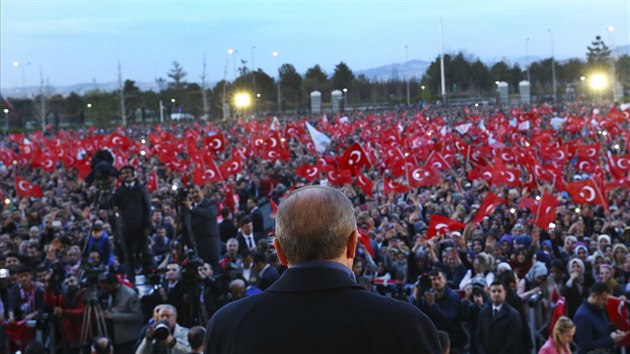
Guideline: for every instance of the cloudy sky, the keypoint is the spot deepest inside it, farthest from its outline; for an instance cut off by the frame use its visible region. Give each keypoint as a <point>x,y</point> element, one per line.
<point>81,41</point>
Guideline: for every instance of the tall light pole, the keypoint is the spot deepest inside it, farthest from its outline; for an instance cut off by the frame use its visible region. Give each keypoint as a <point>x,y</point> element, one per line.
<point>553,67</point>
<point>253,73</point>
<point>6,121</point>
<point>611,40</point>
<point>406,75</point>
<point>22,66</point>
<point>277,55</point>
<point>225,106</point>
<point>527,58</point>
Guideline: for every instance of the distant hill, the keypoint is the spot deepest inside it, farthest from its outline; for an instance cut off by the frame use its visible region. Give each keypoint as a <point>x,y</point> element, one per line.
<point>396,71</point>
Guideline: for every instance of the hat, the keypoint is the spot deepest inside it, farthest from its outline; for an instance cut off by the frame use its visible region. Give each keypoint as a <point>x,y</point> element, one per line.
<point>524,240</point>
<point>506,238</point>
<point>603,236</point>
<point>479,281</point>
<point>538,269</point>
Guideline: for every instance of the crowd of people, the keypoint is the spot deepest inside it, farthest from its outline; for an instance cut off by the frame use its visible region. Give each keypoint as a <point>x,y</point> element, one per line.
<point>141,227</point>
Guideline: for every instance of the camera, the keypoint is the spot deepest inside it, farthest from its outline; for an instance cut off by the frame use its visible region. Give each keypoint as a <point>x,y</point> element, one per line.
<point>161,330</point>
<point>477,290</point>
<point>91,275</point>
<point>423,283</point>
<point>181,193</point>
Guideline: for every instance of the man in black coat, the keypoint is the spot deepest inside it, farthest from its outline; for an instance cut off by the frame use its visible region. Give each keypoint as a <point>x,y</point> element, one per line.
<point>499,325</point>
<point>247,238</point>
<point>203,221</point>
<point>134,206</point>
<point>316,306</point>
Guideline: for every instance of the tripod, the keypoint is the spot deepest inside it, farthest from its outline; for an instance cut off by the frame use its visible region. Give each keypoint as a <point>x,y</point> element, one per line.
<point>92,309</point>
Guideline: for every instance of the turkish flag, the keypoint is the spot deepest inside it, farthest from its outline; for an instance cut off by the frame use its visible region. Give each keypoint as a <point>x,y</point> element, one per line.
<point>214,140</point>
<point>438,161</point>
<point>354,157</point>
<point>276,155</point>
<point>308,172</point>
<point>117,140</point>
<point>546,211</point>
<point>365,241</point>
<point>587,192</point>
<point>364,183</point>
<point>230,167</point>
<point>589,151</point>
<point>619,183</point>
<point>45,161</point>
<point>618,165</point>
<point>391,186</point>
<point>275,142</point>
<point>618,316</point>
<point>529,203</point>
<point>210,173</point>
<point>24,188</point>
<point>490,202</point>
<point>152,182</point>
<point>441,225</point>
<point>422,176</point>
<point>338,177</point>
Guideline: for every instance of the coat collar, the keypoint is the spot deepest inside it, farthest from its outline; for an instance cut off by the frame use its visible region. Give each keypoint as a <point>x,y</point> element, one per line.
<point>312,279</point>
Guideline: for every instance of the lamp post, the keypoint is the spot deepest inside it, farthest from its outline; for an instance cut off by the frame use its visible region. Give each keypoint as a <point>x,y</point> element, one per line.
<point>277,55</point>
<point>553,67</point>
<point>6,121</point>
<point>18,64</point>
<point>527,58</point>
<point>345,98</point>
<point>406,76</point>
<point>611,40</point>
<point>172,108</point>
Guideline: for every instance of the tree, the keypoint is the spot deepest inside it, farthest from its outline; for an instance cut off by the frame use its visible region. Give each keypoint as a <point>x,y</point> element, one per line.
<point>623,70</point>
<point>500,71</point>
<point>342,76</point>
<point>291,85</point>
<point>598,55</point>
<point>132,99</point>
<point>177,74</point>
<point>480,77</point>
<point>315,79</point>
<point>515,76</point>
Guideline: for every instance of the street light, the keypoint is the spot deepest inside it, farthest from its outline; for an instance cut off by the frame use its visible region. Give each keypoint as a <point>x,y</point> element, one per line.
<point>406,76</point>
<point>598,82</point>
<point>611,40</point>
<point>345,97</point>
<point>233,52</point>
<point>277,55</point>
<point>89,105</point>
<point>18,64</point>
<point>6,121</point>
<point>527,58</point>
<point>553,66</point>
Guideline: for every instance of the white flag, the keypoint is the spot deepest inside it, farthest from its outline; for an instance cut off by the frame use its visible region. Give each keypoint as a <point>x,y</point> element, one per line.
<point>463,128</point>
<point>321,140</point>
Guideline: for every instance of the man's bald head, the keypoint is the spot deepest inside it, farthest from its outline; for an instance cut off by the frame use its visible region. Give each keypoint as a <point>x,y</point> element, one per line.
<point>314,223</point>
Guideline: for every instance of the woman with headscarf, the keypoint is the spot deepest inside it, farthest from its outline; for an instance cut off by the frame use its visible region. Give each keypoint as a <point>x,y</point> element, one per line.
<point>483,264</point>
<point>577,286</point>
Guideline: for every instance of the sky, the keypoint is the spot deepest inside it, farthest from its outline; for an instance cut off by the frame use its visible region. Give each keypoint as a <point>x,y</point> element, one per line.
<point>71,42</point>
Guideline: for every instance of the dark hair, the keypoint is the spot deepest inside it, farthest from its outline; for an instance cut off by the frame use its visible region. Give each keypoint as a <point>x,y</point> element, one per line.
<point>445,341</point>
<point>497,282</point>
<point>245,220</point>
<point>437,271</point>
<point>259,257</point>
<point>599,289</point>
<point>245,253</point>
<point>225,212</point>
<point>507,278</point>
<point>101,345</point>
<point>196,337</point>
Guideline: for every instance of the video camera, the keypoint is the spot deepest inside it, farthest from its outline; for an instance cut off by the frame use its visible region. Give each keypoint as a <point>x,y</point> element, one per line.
<point>91,274</point>
<point>191,267</point>
<point>181,193</point>
<point>102,168</point>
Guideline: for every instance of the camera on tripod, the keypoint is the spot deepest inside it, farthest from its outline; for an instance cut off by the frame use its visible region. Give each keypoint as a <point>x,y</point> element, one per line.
<point>102,169</point>
<point>91,275</point>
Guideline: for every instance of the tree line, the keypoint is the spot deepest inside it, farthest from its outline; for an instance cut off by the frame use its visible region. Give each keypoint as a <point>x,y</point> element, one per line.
<point>465,76</point>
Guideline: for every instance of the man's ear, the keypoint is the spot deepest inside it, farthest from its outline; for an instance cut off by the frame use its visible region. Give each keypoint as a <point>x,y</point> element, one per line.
<point>280,252</point>
<point>352,244</point>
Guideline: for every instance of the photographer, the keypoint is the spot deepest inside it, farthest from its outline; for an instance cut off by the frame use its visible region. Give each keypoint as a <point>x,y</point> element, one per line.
<point>165,336</point>
<point>201,295</point>
<point>134,205</point>
<point>203,223</point>
<point>123,311</point>
<point>444,308</point>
